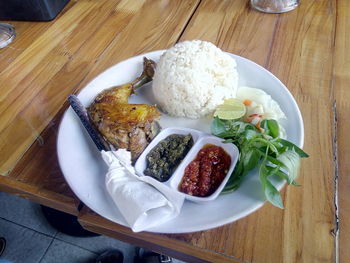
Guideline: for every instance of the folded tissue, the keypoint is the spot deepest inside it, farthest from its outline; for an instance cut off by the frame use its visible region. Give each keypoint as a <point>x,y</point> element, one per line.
<point>143,201</point>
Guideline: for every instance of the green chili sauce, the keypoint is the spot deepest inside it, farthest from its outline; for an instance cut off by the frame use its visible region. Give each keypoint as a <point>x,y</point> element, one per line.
<point>163,159</point>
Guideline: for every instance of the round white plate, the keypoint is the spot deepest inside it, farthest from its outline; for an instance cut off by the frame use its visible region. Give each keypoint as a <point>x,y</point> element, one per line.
<point>84,169</point>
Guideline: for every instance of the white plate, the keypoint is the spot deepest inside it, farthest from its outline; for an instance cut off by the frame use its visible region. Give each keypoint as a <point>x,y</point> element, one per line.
<point>84,169</point>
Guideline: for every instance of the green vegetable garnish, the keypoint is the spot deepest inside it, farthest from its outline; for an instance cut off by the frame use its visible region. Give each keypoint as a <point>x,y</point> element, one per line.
<point>271,128</point>
<point>262,149</point>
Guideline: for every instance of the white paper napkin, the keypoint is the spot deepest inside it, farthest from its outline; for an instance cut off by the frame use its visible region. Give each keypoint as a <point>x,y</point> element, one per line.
<point>143,201</point>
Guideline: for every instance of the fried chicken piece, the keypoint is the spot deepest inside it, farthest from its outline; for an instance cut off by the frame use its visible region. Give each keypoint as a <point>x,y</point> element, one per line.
<point>124,125</point>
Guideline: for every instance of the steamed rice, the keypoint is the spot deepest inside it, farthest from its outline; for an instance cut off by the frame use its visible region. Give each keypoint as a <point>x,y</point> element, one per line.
<point>193,78</point>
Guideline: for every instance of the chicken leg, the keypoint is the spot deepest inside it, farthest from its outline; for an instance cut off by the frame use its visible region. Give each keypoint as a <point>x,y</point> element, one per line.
<point>124,125</point>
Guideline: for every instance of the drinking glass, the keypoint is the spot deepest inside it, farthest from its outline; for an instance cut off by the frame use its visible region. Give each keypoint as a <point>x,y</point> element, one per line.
<point>274,6</point>
<point>7,34</point>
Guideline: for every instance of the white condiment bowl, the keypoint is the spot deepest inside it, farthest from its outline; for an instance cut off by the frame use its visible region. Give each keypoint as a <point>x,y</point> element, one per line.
<point>141,163</point>
<point>200,139</point>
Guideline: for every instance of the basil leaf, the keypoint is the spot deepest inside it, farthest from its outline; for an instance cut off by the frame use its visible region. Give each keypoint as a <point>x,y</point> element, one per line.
<point>236,178</point>
<point>218,127</point>
<point>271,193</point>
<point>283,176</point>
<point>291,161</point>
<point>271,159</point>
<point>281,149</point>
<point>274,128</point>
<point>279,157</point>
<point>291,145</point>
<point>264,126</point>
<point>260,142</point>
<point>250,134</point>
<point>251,159</point>
<point>271,127</point>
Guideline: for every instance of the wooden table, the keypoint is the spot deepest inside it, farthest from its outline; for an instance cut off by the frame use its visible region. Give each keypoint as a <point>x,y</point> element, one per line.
<point>307,49</point>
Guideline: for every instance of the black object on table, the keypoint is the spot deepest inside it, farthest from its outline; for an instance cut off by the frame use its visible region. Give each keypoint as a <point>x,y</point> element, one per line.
<point>31,10</point>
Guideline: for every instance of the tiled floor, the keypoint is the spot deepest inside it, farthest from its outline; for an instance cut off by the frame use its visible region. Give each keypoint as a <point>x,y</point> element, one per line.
<point>31,239</point>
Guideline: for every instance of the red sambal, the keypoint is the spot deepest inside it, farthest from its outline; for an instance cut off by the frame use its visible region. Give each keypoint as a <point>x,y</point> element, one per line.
<point>206,172</point>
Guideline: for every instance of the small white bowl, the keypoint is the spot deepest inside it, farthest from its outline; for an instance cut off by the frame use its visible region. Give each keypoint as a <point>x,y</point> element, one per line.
<point>177,176</point>
<point>141,162</point>
<point>200,139</point>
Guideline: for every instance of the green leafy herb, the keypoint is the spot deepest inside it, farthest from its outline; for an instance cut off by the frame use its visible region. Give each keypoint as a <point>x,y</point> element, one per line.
<point>271,128</point>
<point>262,149</point>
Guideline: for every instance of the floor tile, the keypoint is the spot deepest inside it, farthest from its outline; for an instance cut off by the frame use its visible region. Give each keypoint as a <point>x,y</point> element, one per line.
<point>25,213</point>
<point>60,251</point>
<point>23,244</point>
<point>100,244</point>
<point>19,217</point>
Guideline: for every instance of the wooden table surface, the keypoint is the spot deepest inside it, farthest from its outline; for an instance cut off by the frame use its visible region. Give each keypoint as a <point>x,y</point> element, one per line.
<point>307,49</point>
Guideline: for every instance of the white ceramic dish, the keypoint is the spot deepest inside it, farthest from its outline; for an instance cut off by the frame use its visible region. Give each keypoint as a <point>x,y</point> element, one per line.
<point>140,164</point>
<point>230,149</point>
<point>84,169</point>
<point>200,139</point>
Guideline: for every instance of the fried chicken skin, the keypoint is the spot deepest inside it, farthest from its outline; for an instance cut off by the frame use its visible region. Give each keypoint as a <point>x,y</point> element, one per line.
<point>124,125</point>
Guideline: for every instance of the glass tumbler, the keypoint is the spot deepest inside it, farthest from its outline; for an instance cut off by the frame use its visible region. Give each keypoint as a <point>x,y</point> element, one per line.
<point>7,34</point>
<point>274,6</point>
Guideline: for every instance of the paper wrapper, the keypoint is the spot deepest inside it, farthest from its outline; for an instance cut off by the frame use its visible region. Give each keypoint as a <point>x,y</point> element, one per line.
<point>143,201</point>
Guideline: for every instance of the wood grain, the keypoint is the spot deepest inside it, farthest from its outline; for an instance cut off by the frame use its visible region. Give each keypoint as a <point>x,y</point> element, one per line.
<point>25,31</point>
<point>341,85</point>
<point>306,48</point>
<point>232,26</point>
<point>37,176</point>
<point>36,83</point>
<point>302,60</point>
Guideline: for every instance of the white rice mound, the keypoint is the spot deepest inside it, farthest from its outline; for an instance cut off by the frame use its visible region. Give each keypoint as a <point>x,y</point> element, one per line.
<point>192,78</point>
